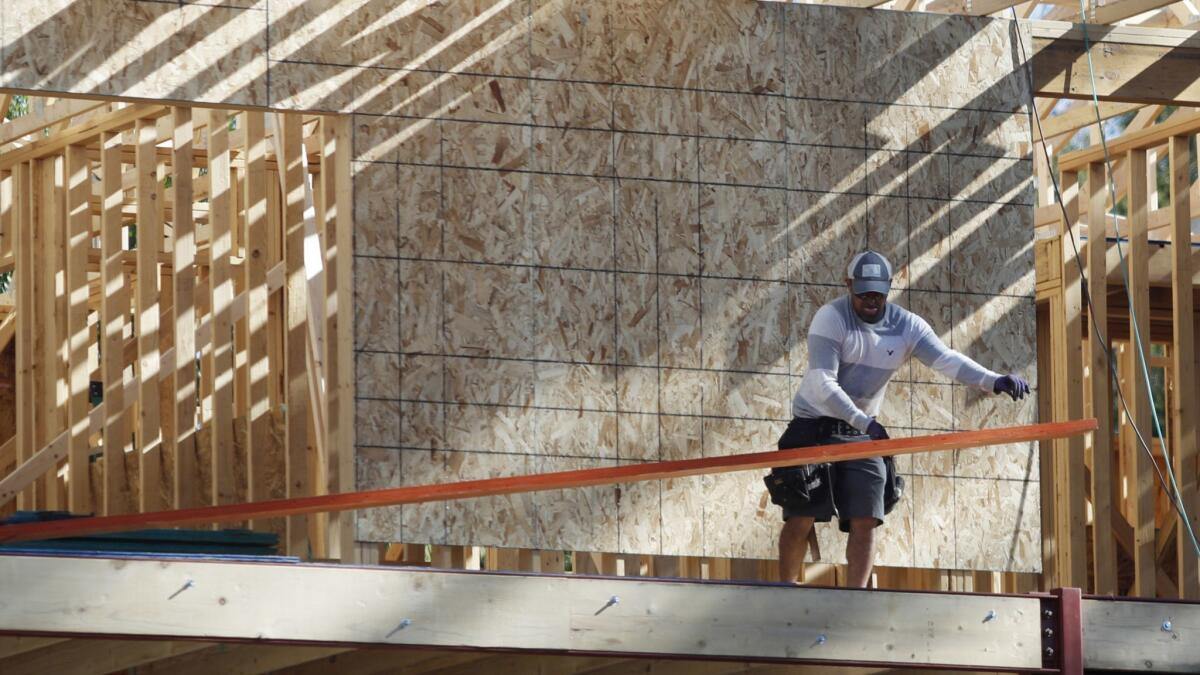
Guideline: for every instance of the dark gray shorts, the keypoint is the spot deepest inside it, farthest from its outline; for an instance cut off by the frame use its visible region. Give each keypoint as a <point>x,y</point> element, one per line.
<point>857,486</point>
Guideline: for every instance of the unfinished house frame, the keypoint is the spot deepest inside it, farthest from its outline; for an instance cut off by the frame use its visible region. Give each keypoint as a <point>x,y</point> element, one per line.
<point>298,249</point>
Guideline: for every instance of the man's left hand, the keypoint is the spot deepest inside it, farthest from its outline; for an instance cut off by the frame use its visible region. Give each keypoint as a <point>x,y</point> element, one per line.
<point>1012,385</point>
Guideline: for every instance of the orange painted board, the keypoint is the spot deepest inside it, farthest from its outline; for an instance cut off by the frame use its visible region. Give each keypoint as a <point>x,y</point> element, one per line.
<point>546,481</point>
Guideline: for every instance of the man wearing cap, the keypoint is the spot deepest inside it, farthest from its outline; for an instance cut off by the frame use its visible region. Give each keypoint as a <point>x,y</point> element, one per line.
<point>855,344</point>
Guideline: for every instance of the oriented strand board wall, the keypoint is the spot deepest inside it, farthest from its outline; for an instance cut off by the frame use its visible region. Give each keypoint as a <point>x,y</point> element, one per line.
<point>594,232</point>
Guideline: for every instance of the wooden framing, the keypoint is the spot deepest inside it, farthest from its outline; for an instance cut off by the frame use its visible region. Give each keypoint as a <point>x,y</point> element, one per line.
<point>162,286</point>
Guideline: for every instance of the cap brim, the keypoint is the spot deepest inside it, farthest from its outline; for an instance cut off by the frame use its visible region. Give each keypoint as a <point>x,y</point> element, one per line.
<point>860,286</point>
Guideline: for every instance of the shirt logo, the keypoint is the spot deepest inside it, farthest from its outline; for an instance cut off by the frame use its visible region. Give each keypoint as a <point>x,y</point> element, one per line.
<point>890,351</point>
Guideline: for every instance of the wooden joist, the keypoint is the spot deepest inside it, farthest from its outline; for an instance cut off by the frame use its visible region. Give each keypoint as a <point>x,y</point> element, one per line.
<point>550,481</point>
<point>1131,65</point>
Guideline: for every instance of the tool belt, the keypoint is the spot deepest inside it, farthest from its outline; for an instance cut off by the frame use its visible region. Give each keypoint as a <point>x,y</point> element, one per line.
<point>794,487</point>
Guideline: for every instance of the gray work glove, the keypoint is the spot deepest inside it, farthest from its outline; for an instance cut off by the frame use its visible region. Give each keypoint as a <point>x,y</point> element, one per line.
<point>1012,385</point>
<point>876,431</point>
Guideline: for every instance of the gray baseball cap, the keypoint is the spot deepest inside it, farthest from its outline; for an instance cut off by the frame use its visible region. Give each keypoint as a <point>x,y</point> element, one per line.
<point>870,272</point>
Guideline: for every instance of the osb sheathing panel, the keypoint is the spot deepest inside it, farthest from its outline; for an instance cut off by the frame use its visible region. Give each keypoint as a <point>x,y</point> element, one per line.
<point>592,233</point>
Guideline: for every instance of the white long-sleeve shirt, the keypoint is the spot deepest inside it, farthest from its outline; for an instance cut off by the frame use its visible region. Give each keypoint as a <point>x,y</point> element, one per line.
<point>851,361</point>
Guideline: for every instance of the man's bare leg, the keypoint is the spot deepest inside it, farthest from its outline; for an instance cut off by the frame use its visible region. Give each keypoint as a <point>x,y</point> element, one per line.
<point>793,544</point>
<point>860,551</point>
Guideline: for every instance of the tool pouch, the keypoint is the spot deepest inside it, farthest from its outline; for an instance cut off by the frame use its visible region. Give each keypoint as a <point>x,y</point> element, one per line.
<point>893,485</point>
<point>793,487</point>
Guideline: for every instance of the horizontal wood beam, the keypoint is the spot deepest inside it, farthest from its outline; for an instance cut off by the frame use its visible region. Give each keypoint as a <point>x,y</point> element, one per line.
<point>1180,123</point>
<point>1129,65</point>
<point>361,606</point>
<point>547,481</point>
<point>1140,635</point>
<point>64,110</point>
<point>119,120</point>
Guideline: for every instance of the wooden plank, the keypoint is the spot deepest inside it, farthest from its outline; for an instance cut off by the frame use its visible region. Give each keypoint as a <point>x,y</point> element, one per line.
<point>298,446</point>
<point>339,365</point>
<point>7,215</point>
<point>1183,401</point>
<point>550,481</point>
<point>112,122</point>
<point>1082,115</point>
<point>1178,124</point>
<point>183,378</point>
<point>1141,482</point>
<point>1071,492</point>
<point>61,111</point>
<point>1130,73</point>
<point>24,285</point>
<point>1119,11</point>
<point>255,283</point>
<point>240,659</point>
<point>525,612</point>
<point>87,656</point>
<point>221,289</point>
<point>50,222</point>
<point>1129,636</point>
<point>149,243</point>
<point>1104,556</point>
<point>113,310</point>
<point>13,646</point>
<point>79,241</point>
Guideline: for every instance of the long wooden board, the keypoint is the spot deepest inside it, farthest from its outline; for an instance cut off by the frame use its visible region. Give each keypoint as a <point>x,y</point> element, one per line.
<point>273,603</point>
<point>547,481</point>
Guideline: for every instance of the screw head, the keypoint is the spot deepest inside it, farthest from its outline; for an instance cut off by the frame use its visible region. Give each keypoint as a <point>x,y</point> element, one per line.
<point>1049,632</point>
<point>1049,652</point>
<point>1166,626</point>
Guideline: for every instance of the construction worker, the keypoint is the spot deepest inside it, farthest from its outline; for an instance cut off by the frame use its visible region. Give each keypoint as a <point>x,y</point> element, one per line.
<point>855,344</point>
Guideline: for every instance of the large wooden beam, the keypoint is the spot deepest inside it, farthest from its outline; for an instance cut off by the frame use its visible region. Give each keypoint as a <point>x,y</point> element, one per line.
<point>549,481</point>
<point>1130,65</point>
<point>1140,636</point>
<point>559,613</point>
